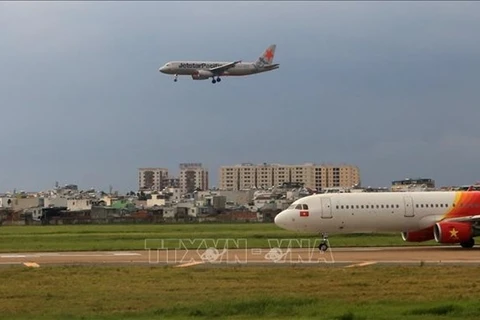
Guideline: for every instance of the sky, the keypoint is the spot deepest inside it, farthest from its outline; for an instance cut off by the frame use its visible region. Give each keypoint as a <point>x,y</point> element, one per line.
<point>392,87</point>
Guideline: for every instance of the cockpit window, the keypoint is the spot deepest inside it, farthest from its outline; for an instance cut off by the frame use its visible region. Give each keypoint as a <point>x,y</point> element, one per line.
<point>298,206</point>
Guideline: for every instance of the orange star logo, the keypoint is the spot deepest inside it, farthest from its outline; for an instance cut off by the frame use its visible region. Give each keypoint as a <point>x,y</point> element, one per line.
<point>269,54</point>
<point>453,233</point>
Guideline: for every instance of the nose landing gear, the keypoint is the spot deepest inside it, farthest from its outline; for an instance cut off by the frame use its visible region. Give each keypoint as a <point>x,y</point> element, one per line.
<point>323,246</point>
<point>176,78</point>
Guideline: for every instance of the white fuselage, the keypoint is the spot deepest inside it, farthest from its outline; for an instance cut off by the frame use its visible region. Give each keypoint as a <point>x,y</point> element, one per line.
<point>374,212</point>
<point>193,67</point>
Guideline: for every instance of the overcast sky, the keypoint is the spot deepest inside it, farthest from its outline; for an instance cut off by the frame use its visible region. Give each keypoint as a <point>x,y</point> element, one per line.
<point>393,87</point>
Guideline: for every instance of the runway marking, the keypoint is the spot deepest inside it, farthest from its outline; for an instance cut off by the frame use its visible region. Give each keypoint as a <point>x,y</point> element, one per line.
<point>366,263</point>
<point>13,256</point>
<point>126,254</point>
<point>189,264</point>
<point>31,264</point>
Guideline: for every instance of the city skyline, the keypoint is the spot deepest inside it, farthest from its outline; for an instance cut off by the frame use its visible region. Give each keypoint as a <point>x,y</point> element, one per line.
<point>388,86</point>
<point>311,175</point>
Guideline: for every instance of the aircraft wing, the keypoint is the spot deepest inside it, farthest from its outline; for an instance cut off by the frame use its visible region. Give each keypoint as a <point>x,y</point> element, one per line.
<point>225,67</point>
<point>474,218</point>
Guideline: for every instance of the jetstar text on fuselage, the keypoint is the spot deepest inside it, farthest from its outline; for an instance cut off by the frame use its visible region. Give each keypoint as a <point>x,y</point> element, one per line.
<point>198,65</point>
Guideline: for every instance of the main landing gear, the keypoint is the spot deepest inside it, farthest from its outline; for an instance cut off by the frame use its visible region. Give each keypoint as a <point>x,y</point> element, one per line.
<point>216,80</point>
<point>468,244</point>
<point>323,246</point>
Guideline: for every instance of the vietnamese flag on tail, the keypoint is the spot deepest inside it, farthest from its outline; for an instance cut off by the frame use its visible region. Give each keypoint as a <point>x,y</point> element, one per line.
<point>303,213</point>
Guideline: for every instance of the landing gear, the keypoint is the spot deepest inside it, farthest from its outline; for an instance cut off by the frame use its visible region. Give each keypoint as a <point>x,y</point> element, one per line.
<point>176,78</point>
<point>323,246</point>
<point>468,244</point>
<point>216,80</point>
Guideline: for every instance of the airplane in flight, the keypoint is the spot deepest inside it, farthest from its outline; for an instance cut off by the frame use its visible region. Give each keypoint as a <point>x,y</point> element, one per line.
<point>449,217</point>
<point>201,70</point>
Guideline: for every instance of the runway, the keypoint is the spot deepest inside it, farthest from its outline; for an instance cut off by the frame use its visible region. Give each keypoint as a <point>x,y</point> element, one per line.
<point>336,257</point>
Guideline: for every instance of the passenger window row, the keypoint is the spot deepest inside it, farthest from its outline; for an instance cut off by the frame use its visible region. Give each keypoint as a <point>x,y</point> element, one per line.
<point>392,206</point>
<point>441,205</point>
<point>369,206</point>
<point>431,205</point>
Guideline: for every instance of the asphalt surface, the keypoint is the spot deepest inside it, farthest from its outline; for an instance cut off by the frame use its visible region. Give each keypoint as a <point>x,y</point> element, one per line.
<point>344,257</point>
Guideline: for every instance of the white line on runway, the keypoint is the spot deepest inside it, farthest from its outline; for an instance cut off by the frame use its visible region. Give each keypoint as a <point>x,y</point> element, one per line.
<point>363,264</point>
<point>189,264</point>
<point>31,264</point>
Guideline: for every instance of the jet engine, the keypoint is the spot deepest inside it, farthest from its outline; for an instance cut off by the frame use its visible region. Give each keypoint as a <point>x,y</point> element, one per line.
<point>418,236</point>
<point>202,75</point>
<point>454,232</point>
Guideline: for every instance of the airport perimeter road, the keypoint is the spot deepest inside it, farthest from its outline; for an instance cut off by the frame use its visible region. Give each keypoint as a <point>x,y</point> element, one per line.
<point>253,256</point>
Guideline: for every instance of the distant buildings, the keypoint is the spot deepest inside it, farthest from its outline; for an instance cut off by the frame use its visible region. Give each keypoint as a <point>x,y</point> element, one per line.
<point>152,178</point>
<point>418,184</point>
<point>193,176</point>
<point>314,176</point>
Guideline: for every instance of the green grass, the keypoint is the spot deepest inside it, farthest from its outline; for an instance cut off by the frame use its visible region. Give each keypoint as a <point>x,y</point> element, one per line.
<point>132,237</point>
<point>375,292</point>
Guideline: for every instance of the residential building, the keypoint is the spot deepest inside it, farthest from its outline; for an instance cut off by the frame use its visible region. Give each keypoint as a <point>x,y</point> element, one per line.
<point>79,204</point>
<point>171,182</point>
<point>193,176</point>
<point>55,202</point>
<point>152,179</point>
<point>156,200</point>
<point>237,197</point>
<point>5,202</point>
<point>310,175</point>
<point>26,203</point>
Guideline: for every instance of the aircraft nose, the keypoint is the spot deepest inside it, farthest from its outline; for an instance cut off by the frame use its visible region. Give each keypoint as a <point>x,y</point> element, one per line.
<point>282,219</point>
<point>164,68</point>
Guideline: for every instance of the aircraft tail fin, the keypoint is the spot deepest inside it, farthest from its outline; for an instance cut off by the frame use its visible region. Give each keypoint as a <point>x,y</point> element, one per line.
<point>266,58</point>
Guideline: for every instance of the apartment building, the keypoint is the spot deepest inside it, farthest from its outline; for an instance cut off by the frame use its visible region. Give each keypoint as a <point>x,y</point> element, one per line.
<point>315,176</point>
<point>193,176</point>
<point>152,179</point>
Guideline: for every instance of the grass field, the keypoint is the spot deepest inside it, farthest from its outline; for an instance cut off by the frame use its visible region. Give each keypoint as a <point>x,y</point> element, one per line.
<point>132,237</point>
<point>406,293</point>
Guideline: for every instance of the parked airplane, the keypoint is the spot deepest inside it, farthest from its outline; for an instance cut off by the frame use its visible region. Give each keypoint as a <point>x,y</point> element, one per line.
<point>446,216</point>
<point>201,70</point>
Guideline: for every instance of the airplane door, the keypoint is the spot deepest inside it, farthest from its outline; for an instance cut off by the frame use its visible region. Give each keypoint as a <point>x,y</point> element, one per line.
<point>326,208</point>
<point>408,206</point>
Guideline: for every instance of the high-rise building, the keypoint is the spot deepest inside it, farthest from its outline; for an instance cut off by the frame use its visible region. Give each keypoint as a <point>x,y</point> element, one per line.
<point>151,179</point>
<point>193,176</point>
<point>315,176</point>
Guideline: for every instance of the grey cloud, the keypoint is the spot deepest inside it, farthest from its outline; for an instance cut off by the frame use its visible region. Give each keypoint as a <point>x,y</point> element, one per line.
<point>390,86</point>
